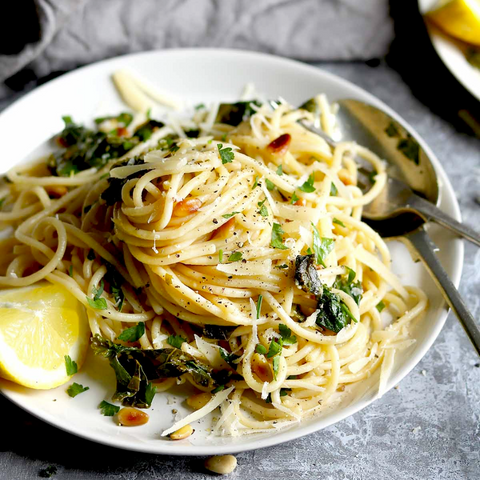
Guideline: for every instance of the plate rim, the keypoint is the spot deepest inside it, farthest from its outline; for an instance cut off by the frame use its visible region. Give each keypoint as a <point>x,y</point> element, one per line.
<point>281,436</point>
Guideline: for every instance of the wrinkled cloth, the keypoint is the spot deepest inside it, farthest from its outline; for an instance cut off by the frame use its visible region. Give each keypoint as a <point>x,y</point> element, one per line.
<point>77,32</point>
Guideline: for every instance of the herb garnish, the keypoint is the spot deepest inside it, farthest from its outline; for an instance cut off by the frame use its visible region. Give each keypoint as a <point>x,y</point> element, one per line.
<point>220,256</point>
<point>277,237</point>
<point>234,113</point>
<point>176,341</point>
<point>230,215</point>
<point>333,190</point>
<point>70,365</point>
<point>263,209</point>
<point>226,154</point>
<point>76,389</point>
<point>308,187</point>
<point>270,185</point>
<point>410,148</point>
<point>255,183</point>
<point>294,198</point>
<point>280,170</point>
<point>380,306</point>
<point>338,222</point>
<point>235,257</point>
<point>355,290</point>
<point>133,334</point>
<point>321,246</point>
<point>259,305</point>
<point>97,302</point>
<point>108,409</point>
<point>259,348</point>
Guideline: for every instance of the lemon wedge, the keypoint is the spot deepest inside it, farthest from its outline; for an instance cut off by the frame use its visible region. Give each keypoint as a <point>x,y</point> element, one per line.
<point>459,18</point>
<point>39,325</point>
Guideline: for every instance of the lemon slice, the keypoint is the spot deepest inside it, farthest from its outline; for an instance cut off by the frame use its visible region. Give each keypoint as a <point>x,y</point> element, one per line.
<point>39,325</point>
<point>459,18</point>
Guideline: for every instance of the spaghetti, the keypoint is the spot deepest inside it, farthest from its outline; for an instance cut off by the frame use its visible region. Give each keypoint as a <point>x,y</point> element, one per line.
<point>240,247</point>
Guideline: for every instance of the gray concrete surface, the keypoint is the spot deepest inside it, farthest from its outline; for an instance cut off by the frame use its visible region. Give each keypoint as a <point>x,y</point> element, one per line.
<point>428,428</point>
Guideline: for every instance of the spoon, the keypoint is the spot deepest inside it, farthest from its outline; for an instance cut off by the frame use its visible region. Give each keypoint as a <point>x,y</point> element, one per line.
<point>399,213</point>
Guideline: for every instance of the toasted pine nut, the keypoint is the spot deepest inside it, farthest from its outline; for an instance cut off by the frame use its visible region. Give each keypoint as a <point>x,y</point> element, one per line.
<point>225,231</point>
<point>199,400</point>
<point>261,368</point>
<point>186,207</point>
<point>301,202</point>
<point>341,388</point>
<point>132,417</point>
<point>56,191</point>
<point>280,145</point>
<point>346,177</point>
<point>222,464</point>
<point>182,433</point>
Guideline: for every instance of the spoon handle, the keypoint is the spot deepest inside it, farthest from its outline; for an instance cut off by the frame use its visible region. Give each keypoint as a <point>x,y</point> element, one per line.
<point>431,212</point>
<point>425,248</point>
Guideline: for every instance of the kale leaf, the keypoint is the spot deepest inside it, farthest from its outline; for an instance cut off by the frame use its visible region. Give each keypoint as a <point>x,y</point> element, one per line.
<point>234,113</point>
<point>355,290</point>
<point>334,314</point>
<point>306,276</point>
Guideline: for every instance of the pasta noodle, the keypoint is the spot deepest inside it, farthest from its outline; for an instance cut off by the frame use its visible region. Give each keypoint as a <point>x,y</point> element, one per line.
<point>211,229</point>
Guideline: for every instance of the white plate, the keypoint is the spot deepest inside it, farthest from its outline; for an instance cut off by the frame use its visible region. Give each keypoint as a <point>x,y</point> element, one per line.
<point>451,52</point>
<point>201,76</point>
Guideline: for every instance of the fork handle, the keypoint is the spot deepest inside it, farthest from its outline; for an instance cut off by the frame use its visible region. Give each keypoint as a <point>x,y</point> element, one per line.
<point>425,248</point>
<point>430,212</point>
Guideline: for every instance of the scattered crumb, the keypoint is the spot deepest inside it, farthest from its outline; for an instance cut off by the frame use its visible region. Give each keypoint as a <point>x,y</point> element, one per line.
<point>174,411</point>
<point>416,429</point>
<point>424,373</point>
<point>170,400</point>
<point>397,387</point>
<point>477,365</point>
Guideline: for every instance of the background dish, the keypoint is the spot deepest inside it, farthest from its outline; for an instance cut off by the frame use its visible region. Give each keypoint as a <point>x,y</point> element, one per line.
<point>200,76</point>
<point>450,52</point>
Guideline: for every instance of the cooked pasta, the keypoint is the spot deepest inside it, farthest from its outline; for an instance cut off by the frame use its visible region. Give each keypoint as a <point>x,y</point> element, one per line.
<point>240,248</point>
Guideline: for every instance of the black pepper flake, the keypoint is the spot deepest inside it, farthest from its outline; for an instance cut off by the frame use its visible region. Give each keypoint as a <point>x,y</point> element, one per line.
<point>215,221</point>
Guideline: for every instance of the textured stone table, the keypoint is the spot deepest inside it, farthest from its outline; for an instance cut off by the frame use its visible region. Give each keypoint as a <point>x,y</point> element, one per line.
<point>441,395</point>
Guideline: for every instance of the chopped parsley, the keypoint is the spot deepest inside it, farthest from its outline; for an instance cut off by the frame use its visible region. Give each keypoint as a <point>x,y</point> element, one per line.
<point>133,334</point>
<point>274,349</point>
<point>235,257</point>
<point>70,271</point>
<point>76,389</point>
<point>294,198</point>
<point>176,341</point>
<point>280,170</point>
<point>333,190</point>
<point>230,215</point>
<point>355,290</point>
<point>338,222</point>
<point>380,306</point>
<point>259,305</point>
<point>71,366</point>
<point>259,348</point>
<point>263,209</point>
<point>218,389</point>
<point>255,183</point>
<point>97,302</point>
<point>277,237</point>
<point>108,409</point>
<point>226,154</point>
<point>322,247</point>
<point>199,106</point>
<point>308,187</point>
<point>270,185</point>
<point>284,265</point>
<point>124,118</point>
<point>286,333</point>
<point>220,256</point>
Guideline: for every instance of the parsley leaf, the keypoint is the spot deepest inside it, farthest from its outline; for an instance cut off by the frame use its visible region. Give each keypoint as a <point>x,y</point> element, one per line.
<point>286,333</point>
<point>235,257</point>
<point>355,290</point>
<point>108,409</point>
<point>308,187</point>
<point>263,209</point>
<point>76,389</point>
<point>70,365</point>
<point>333,190</point>
<point>259,305</point>
<point>338,222</point>
<point>97,292</point>
<point>276,365</point>
<point>70,271</point>
<point>280,170</point>
<point>277,237</point>
<point>132,334</point>
<point>98,304</point>
<point>226,154</point>
<point>392,130</point>
<point>259,348</point>
<point>294,198</point>
<point>321,246</point>
<point>274,349</point>
<point>270,185</point>
<point>255,183</point>
<point>380,306</point>
<point>175,341</point>
<point>230,215</point>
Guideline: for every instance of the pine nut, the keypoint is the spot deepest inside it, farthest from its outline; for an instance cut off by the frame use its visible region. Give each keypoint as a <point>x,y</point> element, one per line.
<point>182,433</point>
<point>132,417</point>
<point>261,368</point>
<point>186,207</point>
<point>56,191</point>
<point>221,464</point>
<point>280,145</point>
<point>199,400</point>
<point>225,231</point>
